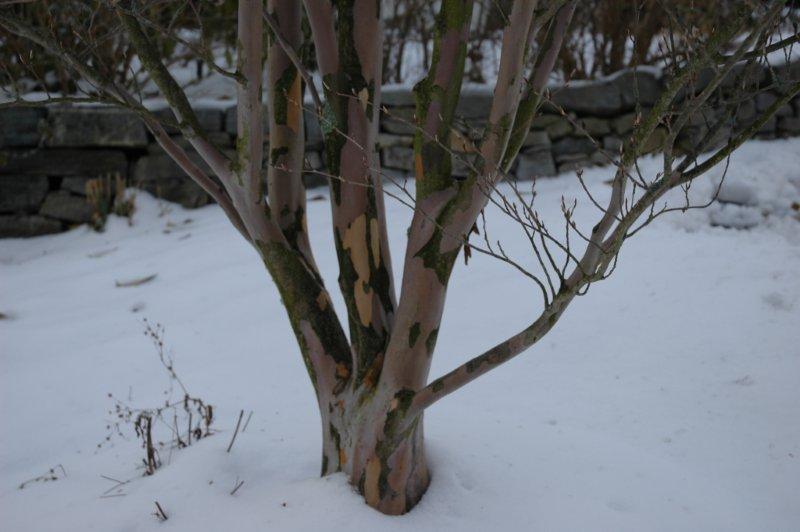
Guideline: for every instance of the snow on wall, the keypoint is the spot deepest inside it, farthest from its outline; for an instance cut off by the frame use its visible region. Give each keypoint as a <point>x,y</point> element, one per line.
<point>48,153</point>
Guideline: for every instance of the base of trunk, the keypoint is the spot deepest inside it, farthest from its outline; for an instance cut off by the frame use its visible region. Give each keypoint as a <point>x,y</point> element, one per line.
<point>392,475</point>
<point>395,478</point>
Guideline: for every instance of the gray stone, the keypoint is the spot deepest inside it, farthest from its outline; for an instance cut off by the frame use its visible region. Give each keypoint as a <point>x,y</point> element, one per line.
<point>612,144</point>
<point>183,191</point>
<point>704,117</point>
<point>784,110</point>
<point>474,104</point>
<point>768,129</point>
<point>535,163</point>
<point>61,162</point>
<point>538,140</point>
<point>399,157</point>
<point>27,226</point>
<point>218,138</point>
<point>786,74</point>
<point>397,96</point>
<point>571,163</point>
<point>765,99</point>
<point>66,207</point>
<point>78,127</point>
<point>21,126</point>
<point>738,76</point>
<point>624,123</point>
<point>689,138</point>
<point>789,125</point>
<point>210,119</point>
<point>231,120</point>
<point>22,193</point>
<point>599,158</point>
<point>746,113</point>
<point>386,139</point>
<point>631,81</point>
<point>695,85</point>
<point>590,98</point>
<point>595,126</point>
<point>161,166</point>
<point>75,184</point>
<point>555,125</point>
<point>162,177</point>
<point>571,146</point>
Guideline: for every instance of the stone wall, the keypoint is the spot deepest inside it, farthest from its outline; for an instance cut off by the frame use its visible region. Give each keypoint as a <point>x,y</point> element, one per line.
<point>47,154</point>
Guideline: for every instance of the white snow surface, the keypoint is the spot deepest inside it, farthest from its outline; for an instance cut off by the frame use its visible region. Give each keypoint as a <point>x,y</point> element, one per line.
<point>667,398</point>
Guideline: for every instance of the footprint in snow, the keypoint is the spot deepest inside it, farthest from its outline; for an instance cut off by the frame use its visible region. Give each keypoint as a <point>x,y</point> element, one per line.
<point>777,301</point>
<point>747,380</point>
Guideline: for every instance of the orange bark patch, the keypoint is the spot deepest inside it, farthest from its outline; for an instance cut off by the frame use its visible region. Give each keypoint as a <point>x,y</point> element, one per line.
<point>373,475</point>
<point>322,301</point>
<point>341,371</point>
<point>355,240</point>
<point>293,105</point>
<point>363,97</point>
<point>418,169</point>
<point>342,457</point>
<point>375,241</point>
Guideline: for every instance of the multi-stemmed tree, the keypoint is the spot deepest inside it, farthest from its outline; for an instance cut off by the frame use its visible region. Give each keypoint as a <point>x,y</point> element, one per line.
<point>371,379</point>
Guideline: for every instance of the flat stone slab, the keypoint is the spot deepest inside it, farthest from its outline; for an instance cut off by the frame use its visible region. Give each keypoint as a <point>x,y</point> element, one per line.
<point>12,226</point>
<point>84,127</point>
<point>162,177</point>
<point>534,164</point>
<point>211,120</point>
<point>21,126</point>
<point>593,99</point>
<point>64,206</point>
<point>22,193</point>
<point>63,162</point>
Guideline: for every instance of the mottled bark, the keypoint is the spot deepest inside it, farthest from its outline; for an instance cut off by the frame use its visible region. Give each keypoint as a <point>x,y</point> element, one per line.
<point>287,194</point>
<point>430,253</point>
<point>348,55</point>
<point>447,209</point>
<point>378,447</point>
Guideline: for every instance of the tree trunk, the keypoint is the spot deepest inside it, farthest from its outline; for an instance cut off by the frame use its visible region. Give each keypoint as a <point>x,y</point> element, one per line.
<point>381,453</point>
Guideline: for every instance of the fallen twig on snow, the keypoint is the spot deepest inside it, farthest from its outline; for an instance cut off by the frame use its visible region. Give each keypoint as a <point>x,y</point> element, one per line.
<point>135,282</point>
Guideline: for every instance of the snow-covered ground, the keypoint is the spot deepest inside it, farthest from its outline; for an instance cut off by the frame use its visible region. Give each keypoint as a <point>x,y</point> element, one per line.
<point>666,399</point>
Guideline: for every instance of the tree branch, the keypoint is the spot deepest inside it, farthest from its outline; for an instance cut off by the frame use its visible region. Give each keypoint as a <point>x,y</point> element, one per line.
<point>290,50</point>
<point>176,98</point>
<point>287,198</point>
<point>348,55</point>
<point>249,129</point>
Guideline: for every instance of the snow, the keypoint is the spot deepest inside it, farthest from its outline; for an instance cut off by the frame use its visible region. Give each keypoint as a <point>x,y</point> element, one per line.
<point>665,399</point>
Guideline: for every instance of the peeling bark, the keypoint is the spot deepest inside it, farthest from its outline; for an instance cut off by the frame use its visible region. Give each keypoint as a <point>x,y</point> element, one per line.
<point>287,194</point>
<point>351,80</point>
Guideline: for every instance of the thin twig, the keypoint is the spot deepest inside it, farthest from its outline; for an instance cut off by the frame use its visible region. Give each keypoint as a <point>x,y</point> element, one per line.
<point>236,431</point>
<point>160,513</point>
<point>247,421</point>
